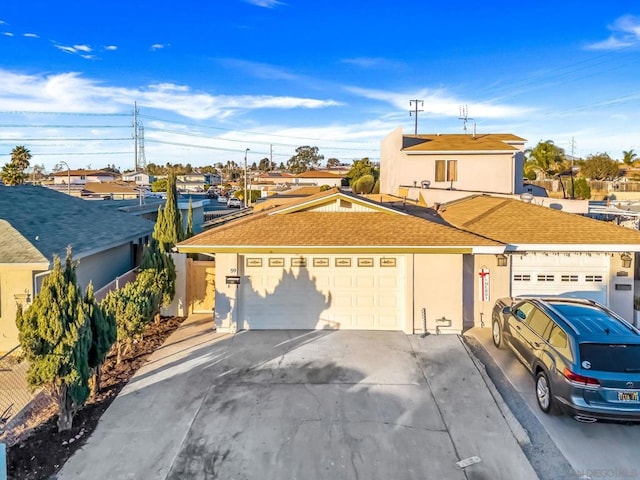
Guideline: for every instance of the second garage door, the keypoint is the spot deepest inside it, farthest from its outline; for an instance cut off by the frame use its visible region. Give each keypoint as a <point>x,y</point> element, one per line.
<point>316,292</point>
<point>579,275</point>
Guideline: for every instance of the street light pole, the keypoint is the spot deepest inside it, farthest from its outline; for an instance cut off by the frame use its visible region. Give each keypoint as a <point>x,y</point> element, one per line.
<point>68,176</point>
<point>245,178</point>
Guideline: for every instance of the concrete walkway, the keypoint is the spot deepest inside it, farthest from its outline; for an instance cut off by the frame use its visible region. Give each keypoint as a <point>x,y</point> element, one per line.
<point>302,405</point>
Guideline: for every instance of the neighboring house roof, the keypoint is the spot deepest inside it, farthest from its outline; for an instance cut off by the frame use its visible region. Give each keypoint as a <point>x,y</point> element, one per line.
<point>317,174</point>
<point>518,223</point>
<point>496,142</point>
<point>110,187</point>
<point>286,197</point>
<point>301,227</point>
<point>275,175</point>
<point>14,248</point>
<point>78,173</point>
<point>51,220</point>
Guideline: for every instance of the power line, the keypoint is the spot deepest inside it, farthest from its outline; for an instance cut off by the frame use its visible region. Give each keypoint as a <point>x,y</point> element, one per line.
<point>63,139</point>
<point>197,135</point>
<point>5,125</point>
<point>79,114</point>
<point>248,132</point>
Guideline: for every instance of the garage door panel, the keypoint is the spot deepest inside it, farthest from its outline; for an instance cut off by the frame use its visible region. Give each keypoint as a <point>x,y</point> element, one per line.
<point>568,275</point>
<point>356,297</point>
<point>386,281</point>
<point>365,281</point>
<point>343,281</point>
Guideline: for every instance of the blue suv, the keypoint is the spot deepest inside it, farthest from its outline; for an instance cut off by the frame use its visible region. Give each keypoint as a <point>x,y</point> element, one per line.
<point>585,359</point>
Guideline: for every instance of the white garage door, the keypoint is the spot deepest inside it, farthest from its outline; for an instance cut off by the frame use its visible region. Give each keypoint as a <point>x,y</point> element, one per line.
<point>323,291</point>
<point>578,275</point>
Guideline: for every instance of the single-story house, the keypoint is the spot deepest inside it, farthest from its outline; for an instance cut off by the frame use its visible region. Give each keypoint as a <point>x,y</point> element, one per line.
<point>80,177</point>
<point>549,252</point>
<point>336,260</point>
<point>318,178</point>
<point>140,178</point>
<point>37,223</point>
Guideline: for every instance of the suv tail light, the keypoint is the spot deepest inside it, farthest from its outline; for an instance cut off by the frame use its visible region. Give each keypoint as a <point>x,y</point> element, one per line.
<point>582,380</point>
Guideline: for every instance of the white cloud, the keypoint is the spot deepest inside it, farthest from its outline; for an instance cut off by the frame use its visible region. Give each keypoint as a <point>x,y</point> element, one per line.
<point>2,22</point>
<point>70,92</point>
<point>7,34</point>
<point>83,48</point>
<point>159,46</point>
<point>111,47</point>
<point>439,103</point>
<point>370,62</point>
<point>31,35</point>
<point>264,3</point>
<point>89,57</point>
<point>259,70</point>
<point>625,33</point>
<point>65,49</point>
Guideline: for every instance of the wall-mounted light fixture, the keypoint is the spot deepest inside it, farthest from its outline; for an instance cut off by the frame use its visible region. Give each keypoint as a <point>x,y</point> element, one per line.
<point>502,260</point>
<point>626,260</point>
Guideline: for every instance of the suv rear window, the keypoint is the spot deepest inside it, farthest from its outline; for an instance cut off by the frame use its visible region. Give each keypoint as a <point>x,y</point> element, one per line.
<point>611,357</point>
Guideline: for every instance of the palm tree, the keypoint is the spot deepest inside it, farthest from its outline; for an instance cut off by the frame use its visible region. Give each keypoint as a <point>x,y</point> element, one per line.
<point>628,156</point>
<point>13,172</point>
<point>20,156</point>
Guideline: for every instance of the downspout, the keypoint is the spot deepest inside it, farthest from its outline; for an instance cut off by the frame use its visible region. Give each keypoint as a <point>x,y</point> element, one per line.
<point>35,281</point>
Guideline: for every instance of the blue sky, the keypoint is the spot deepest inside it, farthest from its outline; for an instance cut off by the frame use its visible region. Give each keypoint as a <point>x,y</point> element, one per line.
<point>212,78</point>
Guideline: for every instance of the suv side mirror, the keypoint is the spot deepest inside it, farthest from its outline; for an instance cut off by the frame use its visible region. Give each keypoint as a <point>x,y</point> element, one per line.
<point>507,311</point>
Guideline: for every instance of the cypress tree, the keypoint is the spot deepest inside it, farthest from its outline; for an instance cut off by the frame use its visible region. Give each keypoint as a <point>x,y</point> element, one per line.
<point>103,334</point>
<point>55,336</point>
<point>168,230</point>
<point>164,270</point>
<point>189,232</point>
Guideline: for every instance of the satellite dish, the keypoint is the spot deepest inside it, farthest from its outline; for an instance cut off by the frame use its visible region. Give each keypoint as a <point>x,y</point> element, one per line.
<point>526,197</point>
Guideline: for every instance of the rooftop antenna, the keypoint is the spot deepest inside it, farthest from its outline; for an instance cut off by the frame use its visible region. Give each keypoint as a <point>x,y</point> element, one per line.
<point>415,111</point>
<point>464,116</point>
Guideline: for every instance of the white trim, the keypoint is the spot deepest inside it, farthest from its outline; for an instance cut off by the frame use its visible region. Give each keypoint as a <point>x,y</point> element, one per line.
<point>329,198</point>
<point>459,152</point>
<point>489,250</point>
<point>573,247</point>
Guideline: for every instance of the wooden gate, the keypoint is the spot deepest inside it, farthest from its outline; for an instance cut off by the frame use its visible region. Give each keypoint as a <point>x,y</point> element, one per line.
<point>201,287</point>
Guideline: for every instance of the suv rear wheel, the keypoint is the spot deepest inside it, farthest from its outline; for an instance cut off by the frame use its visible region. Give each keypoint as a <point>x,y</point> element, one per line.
<point>496,334</point>
<point>544,395</point>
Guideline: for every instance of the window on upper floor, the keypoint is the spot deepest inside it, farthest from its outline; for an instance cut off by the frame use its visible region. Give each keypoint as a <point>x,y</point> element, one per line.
<point>446,170</point>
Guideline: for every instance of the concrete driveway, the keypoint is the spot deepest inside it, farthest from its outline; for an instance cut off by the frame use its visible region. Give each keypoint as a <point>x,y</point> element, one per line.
<point>302,405</point>
<point>595,450</point>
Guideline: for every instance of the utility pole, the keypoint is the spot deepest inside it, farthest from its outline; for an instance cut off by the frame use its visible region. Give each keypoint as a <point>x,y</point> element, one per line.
<point>246,204</point>
<point>135,136</point>
<point>464,117</point>
<point>271,157</point>
<point>415,112</point>
<point>573,146</point>
<point>142,158</point>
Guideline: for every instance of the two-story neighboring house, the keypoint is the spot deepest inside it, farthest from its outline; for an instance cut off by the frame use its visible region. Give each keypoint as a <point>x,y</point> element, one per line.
<point>491,163</point>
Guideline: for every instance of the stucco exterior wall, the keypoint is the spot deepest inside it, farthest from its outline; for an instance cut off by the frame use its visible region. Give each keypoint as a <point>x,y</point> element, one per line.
<point>479,172</point>
<point>621,279</point>
<point>103,267</point>
<point>499,286</point>
<point>13,281</point>
<point>438,288</point>
<point>226,309</point>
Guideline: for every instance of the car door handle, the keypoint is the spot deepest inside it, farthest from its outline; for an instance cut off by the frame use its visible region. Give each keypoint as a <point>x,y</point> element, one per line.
<point>517,327</point>
<point>537,344</point>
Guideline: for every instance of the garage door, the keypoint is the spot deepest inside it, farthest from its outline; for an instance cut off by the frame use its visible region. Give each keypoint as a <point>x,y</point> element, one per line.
<point>316,292</point>
<point>578,275</point>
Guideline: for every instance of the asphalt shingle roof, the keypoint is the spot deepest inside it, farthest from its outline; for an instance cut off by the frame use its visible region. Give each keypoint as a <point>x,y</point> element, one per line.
<point>515,222</point>
<point>463,142</point>
<point>311,228</point>
<point>50,221</point>
<point>14,248</point>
